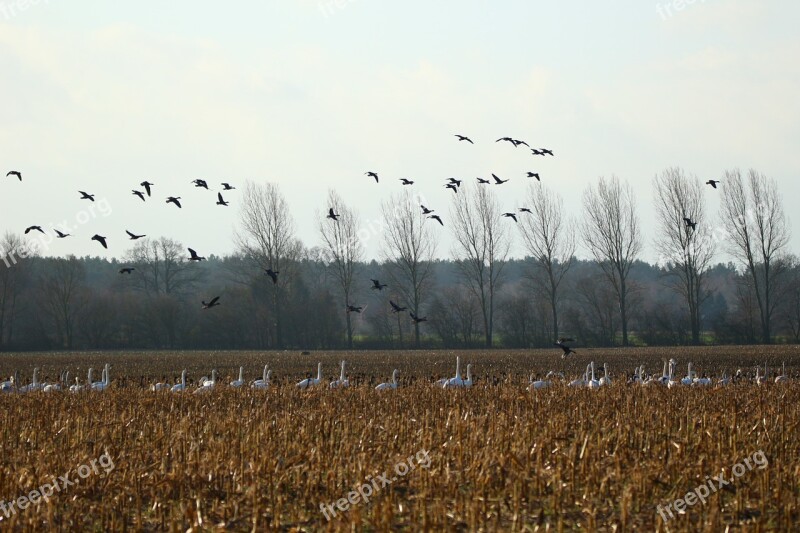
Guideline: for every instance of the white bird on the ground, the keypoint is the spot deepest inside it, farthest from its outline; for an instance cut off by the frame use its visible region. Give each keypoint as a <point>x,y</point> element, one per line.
<point>76,387</point>
<point>690,375</point>
<point>783,378</point>
<point>62,381</point>
<point>213,381</point>
<point>670,381</point>
<point>456,380</point>
<point>239,382</point>
<point>180,387</point>
<point>538,383</point>
<point>341,382</point>
<point>11,384</point>
<point>262,383</point>
<point>103,385</point>
<point>759,378</point>
<point>593,383</point>
<point>208,385</point>
<point>311,382</point>
<point>605,380</point>
<point>580,382</point>
<point>725,379</point>
<point>34,384</point>
<point>390,385</point>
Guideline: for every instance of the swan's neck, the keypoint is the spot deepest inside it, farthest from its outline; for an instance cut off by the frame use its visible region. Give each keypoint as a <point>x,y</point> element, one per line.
<point>319,371</point>
<point>458,367</point>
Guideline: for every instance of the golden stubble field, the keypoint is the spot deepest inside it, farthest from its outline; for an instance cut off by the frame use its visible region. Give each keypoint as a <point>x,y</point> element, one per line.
<point>493,457</point>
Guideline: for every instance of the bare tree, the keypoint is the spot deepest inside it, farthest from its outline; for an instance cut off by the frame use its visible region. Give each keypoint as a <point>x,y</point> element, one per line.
<point>481,250</point>
<point>63,296</point>
<point>344,249</point>
<point>686,250</point>
<point>408,251</point>
<point>758,236</point>
<point>611,233</point>
<point>267,238</point>
<point>161,268</point>
<point>15,272</point>
<point>549,236</point>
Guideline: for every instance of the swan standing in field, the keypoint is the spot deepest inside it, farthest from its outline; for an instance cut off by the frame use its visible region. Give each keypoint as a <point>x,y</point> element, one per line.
<point>725,379</point>
<point>75,387</point>
<point>239,382</point>
<point>593,383</point>
<point>341,382</point>
<point>34,384</point>
<point>690,375</point>
<point>672,382</point>
<point>55,387</point>
<point>180,387</point>
<point>759,378</point>
<point>390,385</point>
<point>311,382</point>
<point>262,383</point>
<point>458,382</point>
<point>455,381</point>
<point>103,385</point>
<point>580,382</point>
<point>783,378</point>
<point>538,384</point>
<point>605,380</point>
<point>209,384</point>
<point>11,384</point>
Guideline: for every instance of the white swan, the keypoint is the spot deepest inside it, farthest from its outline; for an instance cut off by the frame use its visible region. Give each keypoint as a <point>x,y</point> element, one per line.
<point>690,374</point>
<point>725,379</point>
<point>262,383</point>
<point>593,383</point>
<point>311,382</point>
<point>458,382</point>
<point>783,378</point>
<point>390,385</point>
<point>76,387</point>
<point>538,384</point>
<point>605,380</point>
<point>341,382</point>
<point>210,382</point>
<point>580,382</point>
<point>55,387</point>
<point>239,382</point>
<point>672,382</point>
<point>759,378</point>
<point>208,385</point>
<point>11,384</point>
<point>102,385</point>
<point>34,384</point>
<point>455,381</point>
<point>180,387</point>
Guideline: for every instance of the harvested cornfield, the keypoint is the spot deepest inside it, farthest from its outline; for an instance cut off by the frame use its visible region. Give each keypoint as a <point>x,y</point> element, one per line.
<point>495,456</point>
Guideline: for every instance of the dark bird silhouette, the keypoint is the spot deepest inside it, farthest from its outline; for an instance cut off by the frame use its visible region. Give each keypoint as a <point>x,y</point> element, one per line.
<point>426,211</point>
<point>227,187</point>
<point>510,215</point>
<point>507,139</point>
<point>517,142</point>
<point>220,200</point>
<point>464,138</point>
<point>452,186</point>
<point>372,175</point>
<point>31,228</point>
<point>689,223</point>
<point>332,215</point>
<point>406,182</point>
<point>133,236</point>
<point>396,308</point>
<point>541,151</point>
<point>101,240</point>
<point>376,284</point>
<point>272,274</point>
<point>140,194</point>
<point>200,183</point>
<point>498,181</point>
<point>417,319</point>
<point>147,185</point>
<point>525,210</point>
<point>126,270</point>
<point>174,200</point>
<point>436,218</point>
<point>193,256</point>
<point>16,173</point>
<point>713,183</point>
<point>534,175</point>
<point>483,181</point>
<point>567,350</point>
<point>354,309</point>
<point>213,303</point>
<point>61,235</point>
<point>86,196</point>
<point>454,181</point>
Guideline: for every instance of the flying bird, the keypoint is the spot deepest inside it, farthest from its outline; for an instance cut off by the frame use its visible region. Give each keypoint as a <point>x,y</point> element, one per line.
<point>193,256</point>
<point>376,284</point>
<point>436,218</point>
<point>464,138</point>
<point>396,308</point>
<point>101,240</point>
<point>452,186</point>
<point>517,142</point>
<point>498,181</point>
<point>406,182</point>
<point>227,187</point>
<point>86,196</point>
<point>354,309</point>
<point>417,319</point>
<point>426,211</point>
<point>220,200</point>
<point>332,215</point>
<point>525,210</point>
<point>126,270</point>
<point>147,185</point>
<point>16,173</point>
<point>213,303</point>
<point>174,200</point>
<point>372,175</point>
<point>534,175</point>
<point>689,223</point>
<point>134,237</point>
<point>507,139</point>
<point>200,183</point>
<point>541,151</point>
<point>713,183</point>
<point>272,274</point>
<point>140,194</point>
<point>61,235</point>
<point>483,181</point>
<point>510,215</point>
<point>567,350</point>
<point>454,181</point>
<point>31,228</point>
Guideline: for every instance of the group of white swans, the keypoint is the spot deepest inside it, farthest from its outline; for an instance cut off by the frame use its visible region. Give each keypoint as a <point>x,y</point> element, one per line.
<point>667,377</point>
<point>12,385</point>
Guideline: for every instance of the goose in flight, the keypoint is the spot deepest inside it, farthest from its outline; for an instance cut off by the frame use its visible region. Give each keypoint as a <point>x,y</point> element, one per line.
<point>193,256</point>
<point>147,185</point>
<point>405,181</point>
<point>372,175</point>
<point>60,235</point>
<point>482,181</point>
<point>133,236</point>
<point>333,216</point>
<point>86,196</point>
<point>436,218</point>
<point>498,181</point>
<point>464,138</point>
<point>32,228</point>
<point>126,270</point>
<point>525,210</point>
<point>510,215</point>
<point>174,200</point>
<point>221,200</point>
<point>517,142</point>
<point>417,319</point>
<point>507,139</point>
<point>426,211</point>
<point>227,187</point>
<point>452,186</point>
<point>354,309</point>
<point>140,194</point>
<point>272,274</point>
<point>713,183</point>
<point>101,240</point>
<point>396,308</point>
<point>534,175</point>
<point>541,151</point>
<point>376,284</point>
<point>213,303</point>
<point>689,223</point>
<point>16,173</point>
<point>200,183</point>
<point>454,181</point>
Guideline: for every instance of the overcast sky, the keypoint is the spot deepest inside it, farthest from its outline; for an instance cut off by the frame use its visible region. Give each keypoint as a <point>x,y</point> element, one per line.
<point>100,95</point>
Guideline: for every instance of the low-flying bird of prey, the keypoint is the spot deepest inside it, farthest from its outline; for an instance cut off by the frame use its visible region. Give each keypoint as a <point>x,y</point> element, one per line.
<point>134,236</point>
<point>174,200</point>
<point>140,194</point>
<point>272,274</point>
<point>86,196</point>
<point>498,181</point>
<point>101,240</point>
<point>372,175</point>
<point>332,215</point>
<point>213,303</point>
<point>193,256</point>
<point>464,138</point>
<point>436,218</point>
<point>147,185</point>
<point>16,173</point>
<point>32,228</point>
<point>510,215</point>
<point>220,200</point>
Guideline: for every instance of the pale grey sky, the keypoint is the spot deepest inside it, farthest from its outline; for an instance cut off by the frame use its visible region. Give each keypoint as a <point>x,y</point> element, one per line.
<point>100,95</point>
